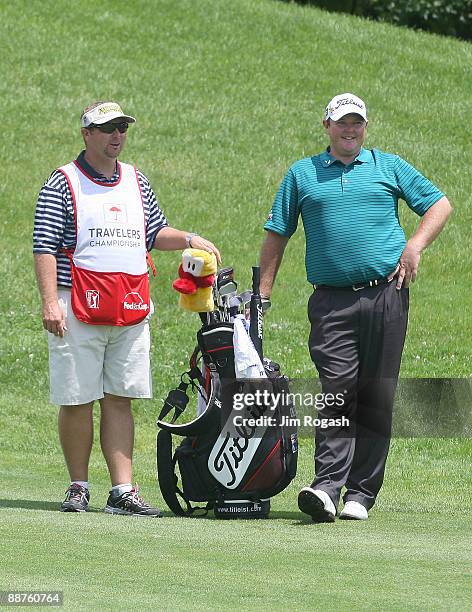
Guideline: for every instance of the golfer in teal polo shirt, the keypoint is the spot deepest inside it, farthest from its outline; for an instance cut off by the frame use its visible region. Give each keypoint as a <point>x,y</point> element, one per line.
<point>360,265</point>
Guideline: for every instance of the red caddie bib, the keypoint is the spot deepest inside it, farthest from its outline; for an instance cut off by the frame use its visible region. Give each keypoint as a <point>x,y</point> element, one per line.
<point>110,283</point>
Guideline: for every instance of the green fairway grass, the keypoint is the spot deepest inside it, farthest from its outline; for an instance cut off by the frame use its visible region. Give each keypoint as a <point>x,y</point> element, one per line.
<point>227,94</point>
<point>414,552</point>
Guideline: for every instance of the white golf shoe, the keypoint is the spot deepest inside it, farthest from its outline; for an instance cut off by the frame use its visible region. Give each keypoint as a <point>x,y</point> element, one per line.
<point>354,511</point>
<point>317,504</point>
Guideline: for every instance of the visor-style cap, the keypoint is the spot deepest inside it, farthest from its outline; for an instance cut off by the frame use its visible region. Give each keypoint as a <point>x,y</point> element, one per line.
<point>107,111</point>
<point>344,104</point>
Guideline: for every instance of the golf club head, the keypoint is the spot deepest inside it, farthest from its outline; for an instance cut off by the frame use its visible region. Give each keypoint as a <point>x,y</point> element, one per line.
<point>227,291</point>
<point>234,300</point>
<point>227,288</point>
<point>245,296</point>
<point>223,276</point>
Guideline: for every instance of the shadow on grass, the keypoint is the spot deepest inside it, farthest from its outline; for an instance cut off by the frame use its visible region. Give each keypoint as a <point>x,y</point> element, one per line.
<point>297,518</point>
<point>35,504</point>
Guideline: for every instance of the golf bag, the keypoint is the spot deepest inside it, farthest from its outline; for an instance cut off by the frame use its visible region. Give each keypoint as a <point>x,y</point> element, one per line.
<point>234,471</point>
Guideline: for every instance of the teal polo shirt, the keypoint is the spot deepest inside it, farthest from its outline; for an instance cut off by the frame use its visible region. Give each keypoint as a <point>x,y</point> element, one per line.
<point>350,213</point>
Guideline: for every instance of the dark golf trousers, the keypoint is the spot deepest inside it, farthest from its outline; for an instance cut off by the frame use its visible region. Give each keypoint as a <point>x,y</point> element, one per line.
<point>356,342</point>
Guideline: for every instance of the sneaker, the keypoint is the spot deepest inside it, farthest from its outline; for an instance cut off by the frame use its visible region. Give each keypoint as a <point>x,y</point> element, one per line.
<point>130,503</point>
<point>317,504</point>
<point>77,499</point>
<point>354,511</point>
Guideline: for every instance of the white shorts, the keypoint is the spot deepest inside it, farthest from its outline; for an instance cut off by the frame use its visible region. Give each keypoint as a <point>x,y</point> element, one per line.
<point>91,360</point>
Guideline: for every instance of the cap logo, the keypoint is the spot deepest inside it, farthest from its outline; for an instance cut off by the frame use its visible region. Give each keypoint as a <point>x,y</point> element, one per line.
<point>344,101</point>
<point>109,108</point>
<point>104,112</point>
<point>336,106</point>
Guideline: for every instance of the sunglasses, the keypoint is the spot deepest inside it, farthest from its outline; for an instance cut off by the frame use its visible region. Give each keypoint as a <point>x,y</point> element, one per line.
<point>109,128</point>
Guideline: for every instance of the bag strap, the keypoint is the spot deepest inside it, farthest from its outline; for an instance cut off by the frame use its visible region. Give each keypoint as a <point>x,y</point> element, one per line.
<point>150,263</point>
<point>195,373</point>
<point>177,400</point>
<point>168,481</point>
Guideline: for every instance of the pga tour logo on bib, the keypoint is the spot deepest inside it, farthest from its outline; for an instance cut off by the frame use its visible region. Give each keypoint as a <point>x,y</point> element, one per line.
<point>93,298</point>
<point>132,300</point>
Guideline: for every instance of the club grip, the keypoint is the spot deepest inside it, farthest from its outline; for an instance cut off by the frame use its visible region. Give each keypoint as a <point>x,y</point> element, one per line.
<point>256,280</point>
<point>256,319</point>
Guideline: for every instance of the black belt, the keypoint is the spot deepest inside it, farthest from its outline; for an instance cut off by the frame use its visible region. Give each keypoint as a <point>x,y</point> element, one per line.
<point>358,286</point>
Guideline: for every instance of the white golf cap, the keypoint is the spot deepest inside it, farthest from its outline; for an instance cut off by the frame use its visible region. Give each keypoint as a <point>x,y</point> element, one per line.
<point>344,104</point>
<point>104,112</point>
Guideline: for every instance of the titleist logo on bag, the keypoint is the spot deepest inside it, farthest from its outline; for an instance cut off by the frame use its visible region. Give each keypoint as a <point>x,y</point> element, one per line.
<point>230,458</point>
<point>235,448</point>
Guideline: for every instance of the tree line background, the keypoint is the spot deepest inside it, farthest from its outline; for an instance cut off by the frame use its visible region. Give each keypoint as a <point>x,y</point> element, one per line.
<point>447,17</point>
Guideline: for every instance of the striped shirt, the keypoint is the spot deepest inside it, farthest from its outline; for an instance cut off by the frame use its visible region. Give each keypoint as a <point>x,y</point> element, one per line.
<point>350,213</point>
<point>54,223</point>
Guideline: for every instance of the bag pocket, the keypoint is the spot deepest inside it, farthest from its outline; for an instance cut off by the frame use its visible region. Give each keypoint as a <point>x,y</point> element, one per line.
<point>109,298</point>
<point>197,483</point>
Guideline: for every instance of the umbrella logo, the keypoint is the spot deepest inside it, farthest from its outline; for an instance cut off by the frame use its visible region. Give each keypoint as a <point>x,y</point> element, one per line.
<point>114,213</point>
<point>115,210</point>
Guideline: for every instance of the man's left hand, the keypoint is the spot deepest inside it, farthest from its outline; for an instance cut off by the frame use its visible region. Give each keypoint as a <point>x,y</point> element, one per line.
<point>409,262</point>
<point>198,242</point>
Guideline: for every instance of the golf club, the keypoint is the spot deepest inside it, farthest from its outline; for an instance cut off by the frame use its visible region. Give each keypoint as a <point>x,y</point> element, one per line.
<point>256,316</point>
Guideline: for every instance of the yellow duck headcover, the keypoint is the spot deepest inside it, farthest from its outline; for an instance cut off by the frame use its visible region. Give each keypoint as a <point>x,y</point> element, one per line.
<point>196,276</point>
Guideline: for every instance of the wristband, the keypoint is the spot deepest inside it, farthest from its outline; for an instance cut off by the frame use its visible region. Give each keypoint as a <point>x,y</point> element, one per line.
<point>188,239</point>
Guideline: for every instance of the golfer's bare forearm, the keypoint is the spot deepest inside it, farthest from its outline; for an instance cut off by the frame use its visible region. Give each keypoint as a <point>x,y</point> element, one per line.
<point>431,224</point>
<point>272,252</point>
<point>46,274</point>
<point>171,239</point>
<point>45,266</point>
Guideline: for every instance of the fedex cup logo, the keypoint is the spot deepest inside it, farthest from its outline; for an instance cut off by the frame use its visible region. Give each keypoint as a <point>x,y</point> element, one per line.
<point>133,301</point>
<point>93,298</point>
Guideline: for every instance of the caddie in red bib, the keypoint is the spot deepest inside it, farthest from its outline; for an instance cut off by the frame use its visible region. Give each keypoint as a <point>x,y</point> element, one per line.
<point>96,220</point>
<point>110,283</point>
